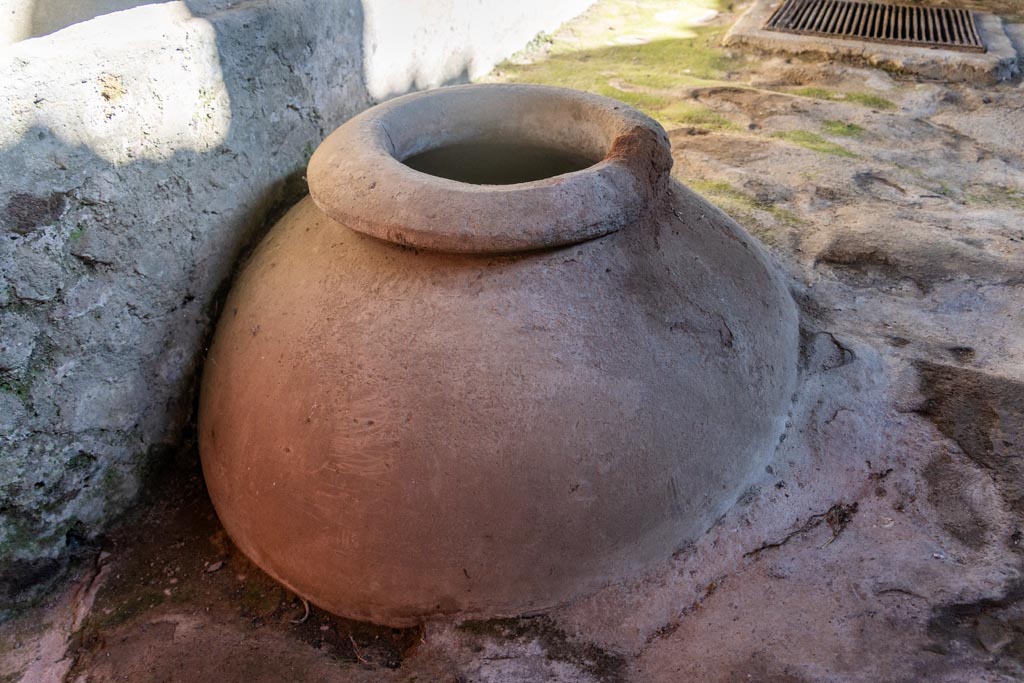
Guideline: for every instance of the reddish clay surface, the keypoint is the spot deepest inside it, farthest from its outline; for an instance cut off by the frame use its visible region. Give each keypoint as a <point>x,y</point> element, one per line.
<point>397,433</point>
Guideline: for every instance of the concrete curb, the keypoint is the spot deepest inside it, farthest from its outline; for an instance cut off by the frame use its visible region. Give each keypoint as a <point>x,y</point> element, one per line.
<point>999,63</point>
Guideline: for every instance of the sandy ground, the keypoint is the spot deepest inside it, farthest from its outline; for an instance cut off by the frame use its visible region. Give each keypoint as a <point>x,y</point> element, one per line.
<point>885,542</point>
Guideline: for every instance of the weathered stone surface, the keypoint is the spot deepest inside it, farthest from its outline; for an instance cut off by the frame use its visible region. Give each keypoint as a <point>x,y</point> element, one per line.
<point>36,273</point>
<point>17,342</point>
<point>12,412</point>
<point>140,152</point>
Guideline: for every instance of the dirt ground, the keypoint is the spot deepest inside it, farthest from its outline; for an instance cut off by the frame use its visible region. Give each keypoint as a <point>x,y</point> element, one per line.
<point>885,542</point>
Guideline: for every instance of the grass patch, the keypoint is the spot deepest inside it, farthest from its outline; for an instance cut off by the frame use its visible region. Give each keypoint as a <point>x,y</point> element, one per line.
<point>817,94</point>
<point>945,189</point>
<point>19,388</point>
<point>635,98</point>
<point>640,75</point>
<point>735,200</point>
<point>862,98</point>
<point>663,49</point>
<point>842,129</point>
<point>720,189</point>
<point>869,100</point>
<point>689,114</point>
<point>997,196</point>
<point>813,142</point>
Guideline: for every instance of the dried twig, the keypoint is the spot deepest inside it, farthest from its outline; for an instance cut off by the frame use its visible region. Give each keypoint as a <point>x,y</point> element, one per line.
<point>838,517</point>
<point>355,650</point>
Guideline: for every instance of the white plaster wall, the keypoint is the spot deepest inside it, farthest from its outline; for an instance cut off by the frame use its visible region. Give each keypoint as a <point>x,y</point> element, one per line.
<point>417,45</point>
<point>408,44</point>
<point>21,19</point>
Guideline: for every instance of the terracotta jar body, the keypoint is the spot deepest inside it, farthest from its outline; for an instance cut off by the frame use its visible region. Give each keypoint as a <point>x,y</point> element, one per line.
<point>432,396</point>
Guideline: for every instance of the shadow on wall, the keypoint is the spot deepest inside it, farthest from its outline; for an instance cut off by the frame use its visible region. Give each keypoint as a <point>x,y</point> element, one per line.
<point>145,152</point>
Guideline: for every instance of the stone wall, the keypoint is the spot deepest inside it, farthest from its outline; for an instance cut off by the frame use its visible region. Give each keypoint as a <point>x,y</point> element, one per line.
<point>141,152</point>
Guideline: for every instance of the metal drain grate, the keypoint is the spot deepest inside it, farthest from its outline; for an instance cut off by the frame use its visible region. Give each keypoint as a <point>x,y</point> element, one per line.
<point>945,27</point>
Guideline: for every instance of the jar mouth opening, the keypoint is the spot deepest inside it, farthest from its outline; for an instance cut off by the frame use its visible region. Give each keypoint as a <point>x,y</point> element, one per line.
<point>497,161</point>
<point>491,168</point>
<point>495,135</point>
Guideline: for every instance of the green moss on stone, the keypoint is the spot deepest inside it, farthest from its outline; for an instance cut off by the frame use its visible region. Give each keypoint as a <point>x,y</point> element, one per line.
<point>641,75</point>
<point>817,93</point>
<point>813,141</point>
<point>869,100</point>
<point>690,114</point>
<point>996,196</point>
<point>736,201</point>
<point>861,98</point>
<point>842,129</point>
<point>19,388</point>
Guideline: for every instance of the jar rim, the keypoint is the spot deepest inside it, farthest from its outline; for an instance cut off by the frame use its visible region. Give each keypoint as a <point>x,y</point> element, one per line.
<point>357,176</point>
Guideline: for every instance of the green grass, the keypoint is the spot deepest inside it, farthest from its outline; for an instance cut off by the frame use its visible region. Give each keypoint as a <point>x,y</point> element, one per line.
<point>816,93</point>
<point>539,40</point>
<point>735,200</point>
<point>869,100</point>
<point>813,142</point>
<point>669,54</point>
<point>997,196</point>
<point>861,98</point>
<point>19,388</point>
<point>634,98</point>
<point>690,114</point>
<point>642,75</point>
<point>744,209</point>
<point>945,189</point>
<point>842,129</point>
<point>719,188</point>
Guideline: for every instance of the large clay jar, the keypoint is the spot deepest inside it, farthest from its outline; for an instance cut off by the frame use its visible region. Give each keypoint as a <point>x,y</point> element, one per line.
<point>497,359</point>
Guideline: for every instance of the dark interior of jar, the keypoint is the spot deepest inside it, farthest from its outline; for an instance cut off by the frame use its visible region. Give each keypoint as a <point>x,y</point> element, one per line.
<point>497,162</point>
